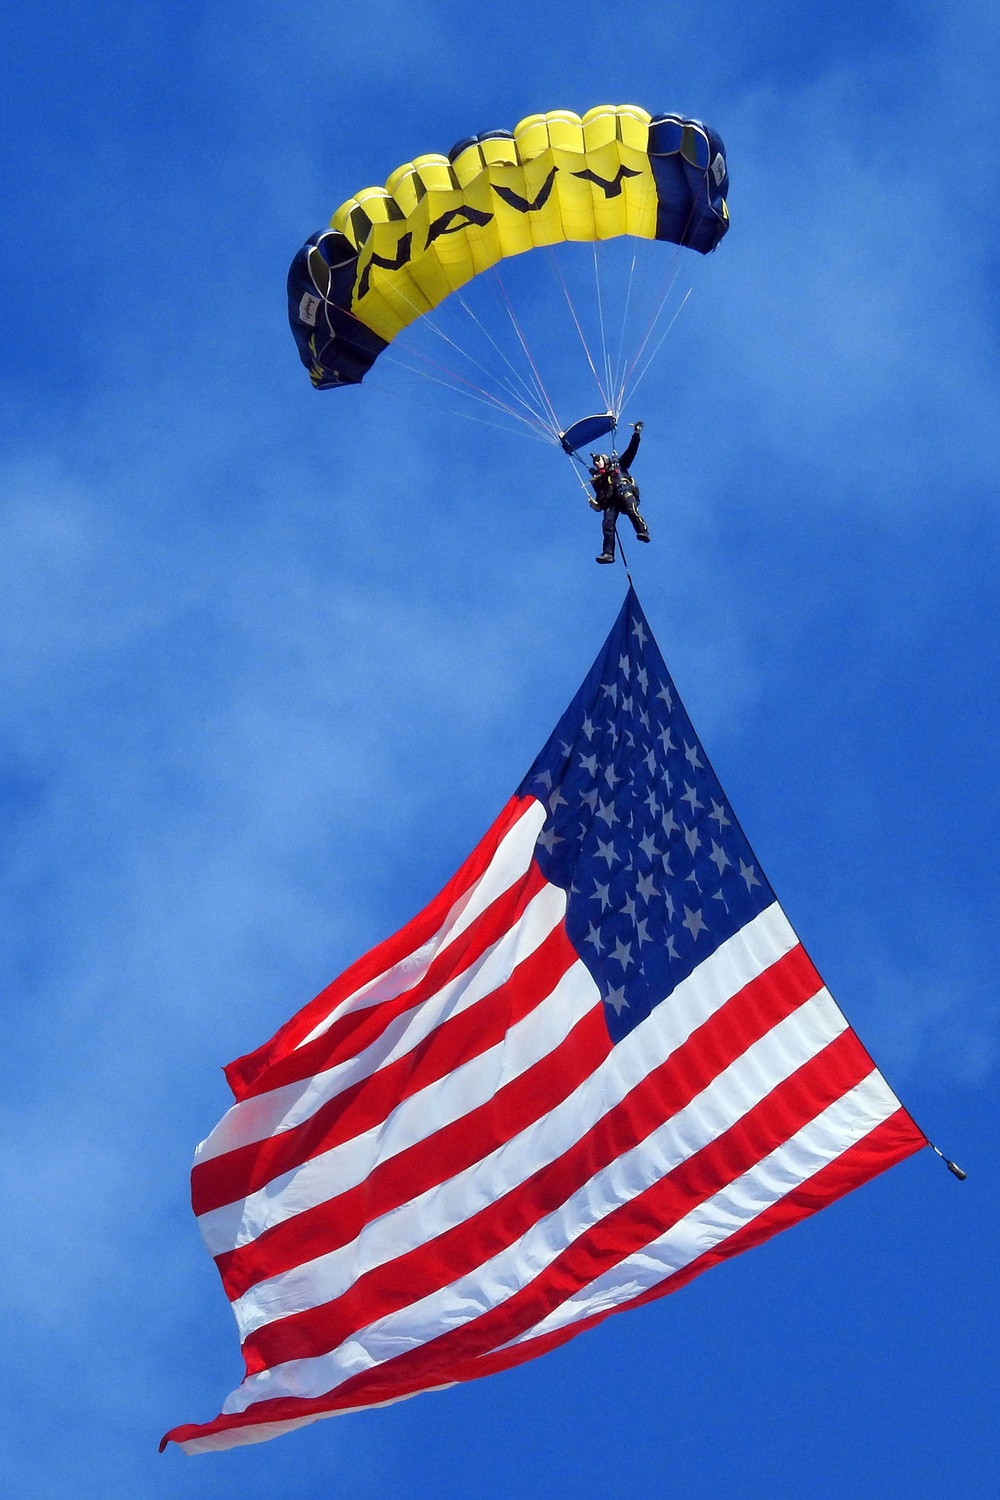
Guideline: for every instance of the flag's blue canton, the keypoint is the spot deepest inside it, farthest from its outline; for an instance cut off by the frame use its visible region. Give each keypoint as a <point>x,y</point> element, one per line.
<point>639,831</point>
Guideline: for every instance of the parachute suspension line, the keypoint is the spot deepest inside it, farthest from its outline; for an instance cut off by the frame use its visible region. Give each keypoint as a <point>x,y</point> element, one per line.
<point>395,395</point>
<point>600,321</point>
<point>537,437</point>
<point>542,433</point>
<point>531,403</point>
<point>620,356</point>
<point>539,384</point>
<point>461,385</point>
<point>557,272</point>
<point>556,429</point>
<point>575,459</point>
<point>456,382</point>
<point>659,303</point>
<point>429,322</point>
<point>642,374</point>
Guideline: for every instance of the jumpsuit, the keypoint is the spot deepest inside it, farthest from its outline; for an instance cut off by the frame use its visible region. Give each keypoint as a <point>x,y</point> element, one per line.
<point>617,494</point>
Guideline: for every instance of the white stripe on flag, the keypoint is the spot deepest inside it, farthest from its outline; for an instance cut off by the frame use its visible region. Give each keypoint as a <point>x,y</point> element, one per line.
<point>728,970</point>
<point>263,1115</point>
<point>441,1102</point>
<point>841,1125</point>
<point>750,1078</point>
<point>512,858</point>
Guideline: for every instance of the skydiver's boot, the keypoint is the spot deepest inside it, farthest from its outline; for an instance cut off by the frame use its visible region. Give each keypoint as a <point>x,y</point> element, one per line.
<point>605,557</point>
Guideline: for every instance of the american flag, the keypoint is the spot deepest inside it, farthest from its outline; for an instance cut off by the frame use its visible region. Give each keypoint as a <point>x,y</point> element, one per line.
<point>595,1065</point>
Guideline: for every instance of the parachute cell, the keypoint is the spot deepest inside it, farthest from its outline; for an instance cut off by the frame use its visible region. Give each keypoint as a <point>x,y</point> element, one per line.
<point>393,253</point>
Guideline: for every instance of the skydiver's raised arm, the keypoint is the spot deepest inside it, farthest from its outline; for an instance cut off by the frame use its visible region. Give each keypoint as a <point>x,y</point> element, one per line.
<point>628,456</point>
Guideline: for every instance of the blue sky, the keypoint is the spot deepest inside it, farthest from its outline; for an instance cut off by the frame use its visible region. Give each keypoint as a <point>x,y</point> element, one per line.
<point>273,661</point>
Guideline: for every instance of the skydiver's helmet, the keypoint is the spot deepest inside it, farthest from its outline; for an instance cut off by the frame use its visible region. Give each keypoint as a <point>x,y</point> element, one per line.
<point>601,460</point>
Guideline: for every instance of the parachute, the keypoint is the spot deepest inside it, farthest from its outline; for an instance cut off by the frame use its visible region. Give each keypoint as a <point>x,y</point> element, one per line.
<point>394,253</point>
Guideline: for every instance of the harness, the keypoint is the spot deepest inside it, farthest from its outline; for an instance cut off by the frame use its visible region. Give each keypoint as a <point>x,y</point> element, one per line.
<point>617,488</point>
<point>623,486</point>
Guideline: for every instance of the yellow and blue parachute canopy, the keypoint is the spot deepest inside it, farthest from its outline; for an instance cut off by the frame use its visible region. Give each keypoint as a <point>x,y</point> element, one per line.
<point>393,253</point>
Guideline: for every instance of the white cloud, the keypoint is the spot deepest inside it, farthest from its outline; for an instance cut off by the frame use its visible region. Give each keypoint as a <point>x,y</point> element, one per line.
<point>272,661</point>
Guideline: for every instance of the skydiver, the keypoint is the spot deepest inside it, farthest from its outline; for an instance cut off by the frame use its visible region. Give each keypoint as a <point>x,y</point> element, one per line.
<point>616,493</point>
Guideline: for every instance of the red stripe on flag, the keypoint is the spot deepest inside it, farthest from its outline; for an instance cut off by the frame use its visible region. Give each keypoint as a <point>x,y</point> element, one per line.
<point>889,1143</point>
<point>351,1033</point>
<point>245,1073</point>
<point>228,1178</point>
<point>709,1050</point>
<point>424,1165</point>
<point>790,1106</point>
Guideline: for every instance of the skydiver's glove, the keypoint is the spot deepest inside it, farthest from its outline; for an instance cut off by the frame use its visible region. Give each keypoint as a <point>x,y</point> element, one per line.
<point>594,504</point>
<point>636,426</point>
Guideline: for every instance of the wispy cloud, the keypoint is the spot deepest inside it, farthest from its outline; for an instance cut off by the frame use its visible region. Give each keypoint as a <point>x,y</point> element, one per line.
<point>273,661</point>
